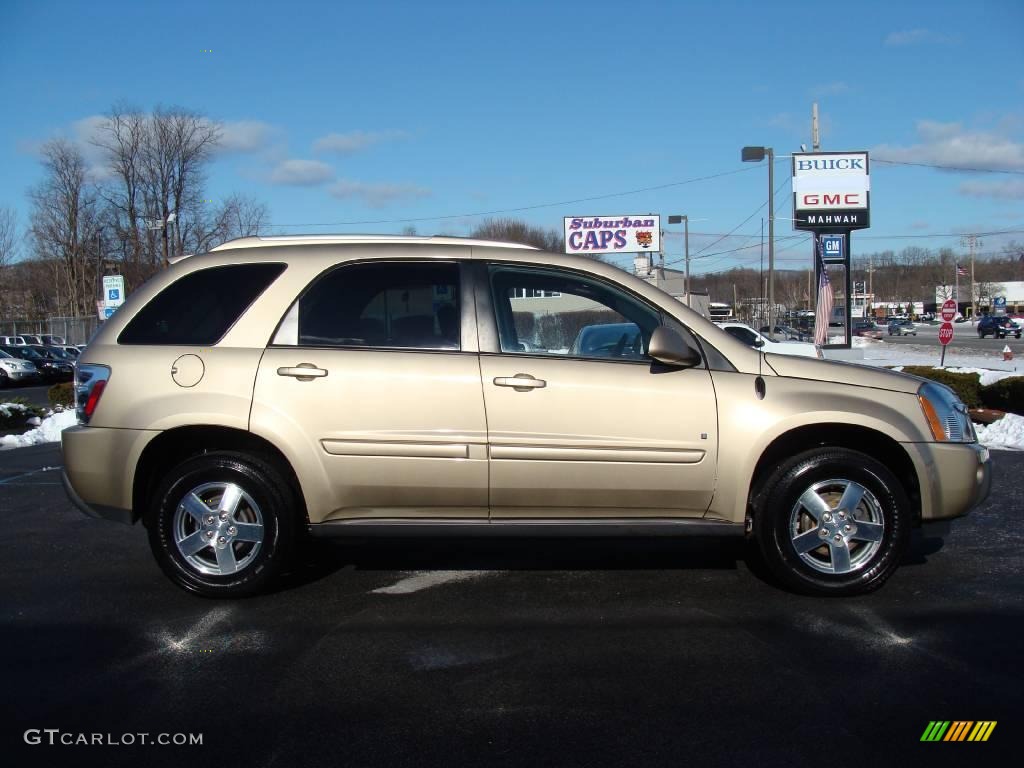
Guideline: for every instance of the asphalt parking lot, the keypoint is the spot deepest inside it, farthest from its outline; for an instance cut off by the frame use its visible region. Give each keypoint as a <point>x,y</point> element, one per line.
<point>504,652</point>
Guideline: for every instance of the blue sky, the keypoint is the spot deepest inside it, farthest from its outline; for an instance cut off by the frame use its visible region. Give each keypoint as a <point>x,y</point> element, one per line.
<point>360,116</point>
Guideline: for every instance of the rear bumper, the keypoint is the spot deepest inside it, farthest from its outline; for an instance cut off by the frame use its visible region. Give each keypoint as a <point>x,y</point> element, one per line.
<point>99,469</point>
<point>98,511</point>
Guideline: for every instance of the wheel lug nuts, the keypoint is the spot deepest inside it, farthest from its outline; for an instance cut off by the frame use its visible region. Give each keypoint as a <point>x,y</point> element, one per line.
<point>828,517</point>
<point>232,530</point>
<point>847,527</point>
<point>221,540</point>
<point>210,519</point>
<point>842,515</point>
<point>223,515</point>
<point>209,534</point>
<point>837,538</point>
<point>823,533</point>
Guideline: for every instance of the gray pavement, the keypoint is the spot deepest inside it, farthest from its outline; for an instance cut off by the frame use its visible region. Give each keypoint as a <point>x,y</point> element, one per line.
<point>517,652</point>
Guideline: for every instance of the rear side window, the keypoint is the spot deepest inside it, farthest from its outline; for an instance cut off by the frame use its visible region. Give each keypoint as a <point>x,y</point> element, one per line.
<point>199,308</point>
<point>395,304</point>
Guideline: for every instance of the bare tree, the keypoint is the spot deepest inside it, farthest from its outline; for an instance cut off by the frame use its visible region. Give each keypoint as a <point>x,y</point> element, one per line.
<point>121,137</point>
<point>8,229</point>
<point>64,221</point>
<point>237,216</point>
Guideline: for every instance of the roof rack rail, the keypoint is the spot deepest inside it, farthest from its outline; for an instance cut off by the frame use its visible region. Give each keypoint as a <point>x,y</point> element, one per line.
<point>280,240</point>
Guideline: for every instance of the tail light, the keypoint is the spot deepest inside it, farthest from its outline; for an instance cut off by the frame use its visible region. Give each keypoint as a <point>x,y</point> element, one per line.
<point>90,381</point>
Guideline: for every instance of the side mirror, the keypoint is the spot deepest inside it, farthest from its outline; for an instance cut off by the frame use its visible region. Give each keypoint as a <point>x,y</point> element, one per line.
<point>759,343</point>
<point>667,346</point>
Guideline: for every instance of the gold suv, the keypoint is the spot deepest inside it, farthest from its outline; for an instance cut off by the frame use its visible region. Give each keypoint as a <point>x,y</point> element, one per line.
<point>364,385</point>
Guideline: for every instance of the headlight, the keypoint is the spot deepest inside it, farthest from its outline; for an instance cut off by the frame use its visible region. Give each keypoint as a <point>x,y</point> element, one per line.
<point>946,416</point>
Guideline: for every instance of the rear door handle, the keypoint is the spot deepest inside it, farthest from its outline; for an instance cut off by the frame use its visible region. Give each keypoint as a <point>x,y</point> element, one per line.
<point>521,382</point>
<point>303,372</point>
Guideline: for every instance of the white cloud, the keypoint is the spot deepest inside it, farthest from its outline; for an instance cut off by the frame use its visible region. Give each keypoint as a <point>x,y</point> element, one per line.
<point>950,144</point>
<point>353,141</point>
<point>301,173</point>
<point>245,135</point>
<point>1009,189</point>
<point>915,36</point>
<point>376,195</point>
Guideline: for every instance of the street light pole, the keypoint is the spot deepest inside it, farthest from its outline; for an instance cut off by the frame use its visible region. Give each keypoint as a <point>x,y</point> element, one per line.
<point>685,221</point>
<point>756,155</point>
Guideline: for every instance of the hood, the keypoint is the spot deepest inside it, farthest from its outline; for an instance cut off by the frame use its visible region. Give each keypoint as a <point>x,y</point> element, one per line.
<point>842,373</point>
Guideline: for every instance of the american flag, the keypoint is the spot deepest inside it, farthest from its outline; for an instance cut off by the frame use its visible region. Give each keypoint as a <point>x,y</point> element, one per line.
<point>823,313</point>
<point>961,270</point>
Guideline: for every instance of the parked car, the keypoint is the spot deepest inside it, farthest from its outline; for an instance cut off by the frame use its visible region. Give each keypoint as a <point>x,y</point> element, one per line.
<point>902,328</point>
<point>867,330</point>
<point>59,355</point>
<point>50,368</point>
<point>752,338</point>
<point>30,339</point>
<point>71,350</point>
<point>12,341</point>
<point>14,370</point>
<point>345,386</point>
<point>997,326</point>
<point>785,333</point>
<point>52,341</point>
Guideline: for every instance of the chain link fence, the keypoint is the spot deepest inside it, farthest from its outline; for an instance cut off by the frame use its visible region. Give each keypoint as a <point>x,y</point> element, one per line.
<point>74,330</point>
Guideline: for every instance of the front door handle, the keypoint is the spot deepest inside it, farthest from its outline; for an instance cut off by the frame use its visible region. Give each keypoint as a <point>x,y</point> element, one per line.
<point>521,382</point>
<point>303,372</point>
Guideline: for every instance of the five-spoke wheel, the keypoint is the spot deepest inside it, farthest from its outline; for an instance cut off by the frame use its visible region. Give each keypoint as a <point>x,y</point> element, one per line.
<point>222,524</point>
<point>832,521</point>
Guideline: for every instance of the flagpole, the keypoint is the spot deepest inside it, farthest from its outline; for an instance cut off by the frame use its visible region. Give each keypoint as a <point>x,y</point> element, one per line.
<point>956,276</point>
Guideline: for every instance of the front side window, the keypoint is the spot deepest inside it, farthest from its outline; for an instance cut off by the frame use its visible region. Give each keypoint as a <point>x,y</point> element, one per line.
<point>547,311</point>
<point>199,308</point>
<point>394,304</point>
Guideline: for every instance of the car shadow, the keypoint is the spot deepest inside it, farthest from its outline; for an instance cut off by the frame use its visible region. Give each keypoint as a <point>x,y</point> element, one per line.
<point>320,558</point>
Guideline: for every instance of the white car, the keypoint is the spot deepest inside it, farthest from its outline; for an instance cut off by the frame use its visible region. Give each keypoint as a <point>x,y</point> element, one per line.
<point>14,370</point>
<point>752,338</point>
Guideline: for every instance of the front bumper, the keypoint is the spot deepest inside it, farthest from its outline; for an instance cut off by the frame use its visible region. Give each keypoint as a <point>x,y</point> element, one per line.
<point>960,475</point>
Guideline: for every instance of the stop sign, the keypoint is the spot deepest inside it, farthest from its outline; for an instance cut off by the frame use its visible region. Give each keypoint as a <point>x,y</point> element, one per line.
<point>948,310</point>
<point>945,331</point>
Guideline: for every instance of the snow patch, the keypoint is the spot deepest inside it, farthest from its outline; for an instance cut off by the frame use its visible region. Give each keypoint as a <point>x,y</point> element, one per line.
<point>1007,433</point>
<point>8,409</point>
<point>48,431</point>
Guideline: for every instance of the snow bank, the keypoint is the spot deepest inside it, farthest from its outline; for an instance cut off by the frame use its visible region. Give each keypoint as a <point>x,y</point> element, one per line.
<point>48,431</point>
<point>1007,433</point>
<point>6,409</point>
<point>987,375</point>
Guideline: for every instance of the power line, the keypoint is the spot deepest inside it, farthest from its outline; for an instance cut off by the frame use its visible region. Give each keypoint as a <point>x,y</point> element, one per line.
<point>522,208</point>
<point>947,167</point>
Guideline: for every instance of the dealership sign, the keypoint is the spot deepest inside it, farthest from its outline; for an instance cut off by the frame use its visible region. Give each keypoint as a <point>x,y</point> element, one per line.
<point>612,234</point>
<point>831,190</point>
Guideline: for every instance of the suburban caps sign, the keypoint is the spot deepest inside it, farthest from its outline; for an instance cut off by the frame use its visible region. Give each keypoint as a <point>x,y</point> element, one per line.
<point>830,190</point>
<point>612,234</point>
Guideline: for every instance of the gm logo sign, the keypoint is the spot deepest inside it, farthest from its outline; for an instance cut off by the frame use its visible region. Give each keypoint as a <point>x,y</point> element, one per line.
<point>832,247</point>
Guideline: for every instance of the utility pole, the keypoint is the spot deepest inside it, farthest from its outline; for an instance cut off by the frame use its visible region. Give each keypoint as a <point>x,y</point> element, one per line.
<point>972,242</point>
<point>735,302</point>
<point>686,246</point>
<point>871,282</point>
<point>815,135</point>
<point>771,242</point>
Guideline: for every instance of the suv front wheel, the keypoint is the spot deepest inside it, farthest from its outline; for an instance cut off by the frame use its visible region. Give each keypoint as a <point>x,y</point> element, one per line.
<point>832,521</point>
<point>221,524</point>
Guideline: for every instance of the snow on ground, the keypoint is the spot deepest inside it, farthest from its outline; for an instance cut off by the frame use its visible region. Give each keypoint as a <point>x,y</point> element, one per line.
<point>1007,433</point>
<point>48,431</point>
<point>6,409</point>
<point>878,353</point>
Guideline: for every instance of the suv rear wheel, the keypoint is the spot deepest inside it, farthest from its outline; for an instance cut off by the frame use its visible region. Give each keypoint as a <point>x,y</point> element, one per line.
<point>832,522</point>
<point>222,524</point>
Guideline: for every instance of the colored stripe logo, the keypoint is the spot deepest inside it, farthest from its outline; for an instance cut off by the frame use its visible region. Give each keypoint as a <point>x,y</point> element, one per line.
<point>958,730</point>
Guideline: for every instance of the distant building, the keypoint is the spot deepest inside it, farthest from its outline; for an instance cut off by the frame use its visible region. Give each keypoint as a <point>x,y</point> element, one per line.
<point>995,298</point>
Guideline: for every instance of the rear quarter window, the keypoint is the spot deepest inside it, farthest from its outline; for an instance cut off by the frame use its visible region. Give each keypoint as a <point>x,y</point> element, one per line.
<point>200,307</point>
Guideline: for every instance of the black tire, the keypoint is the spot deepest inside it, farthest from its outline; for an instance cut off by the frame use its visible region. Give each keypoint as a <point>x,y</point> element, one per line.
<point>777,505</point>
<point>272,501</point>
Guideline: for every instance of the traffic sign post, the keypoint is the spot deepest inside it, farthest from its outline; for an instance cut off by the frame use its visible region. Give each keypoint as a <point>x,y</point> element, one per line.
<point>948,311</point>
<point>945,335</point>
